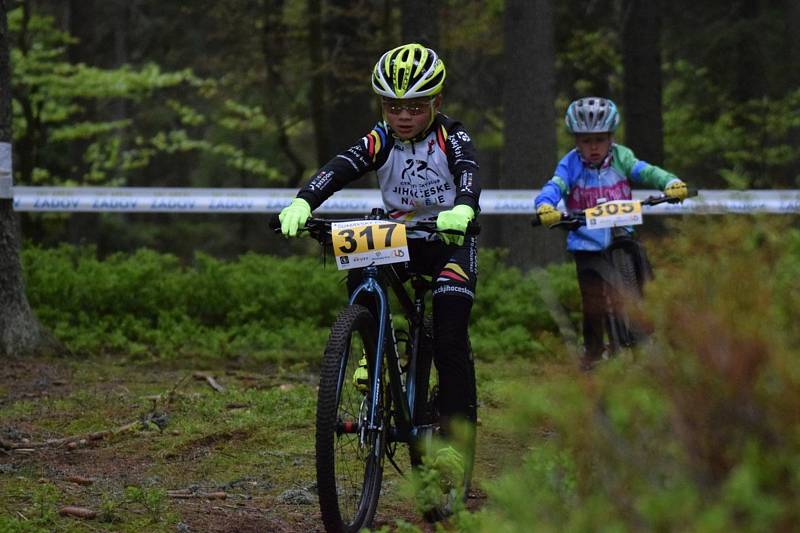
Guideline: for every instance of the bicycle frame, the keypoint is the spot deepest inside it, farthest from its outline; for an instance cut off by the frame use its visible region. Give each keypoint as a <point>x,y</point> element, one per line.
<point>414,311</point>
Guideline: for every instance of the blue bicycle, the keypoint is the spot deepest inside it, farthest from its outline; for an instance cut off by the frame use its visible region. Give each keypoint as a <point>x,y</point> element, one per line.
<point>358,425</point>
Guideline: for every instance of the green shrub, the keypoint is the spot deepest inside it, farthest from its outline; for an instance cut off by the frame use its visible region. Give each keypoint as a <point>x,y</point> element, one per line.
<point>150,304</point>
<point>701,430</point>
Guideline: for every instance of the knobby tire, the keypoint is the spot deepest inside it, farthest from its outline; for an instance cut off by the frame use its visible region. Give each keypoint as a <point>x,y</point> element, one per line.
<point>629,294</point>
<point>349,471</point>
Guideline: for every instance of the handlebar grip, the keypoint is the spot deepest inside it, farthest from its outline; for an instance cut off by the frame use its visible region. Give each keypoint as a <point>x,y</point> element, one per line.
<point>473,228</point>
<point>275,223</point>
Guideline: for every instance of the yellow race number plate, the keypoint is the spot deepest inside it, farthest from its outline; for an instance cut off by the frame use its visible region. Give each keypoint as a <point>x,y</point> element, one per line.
<point>614,213</point>
<point>361,243</point>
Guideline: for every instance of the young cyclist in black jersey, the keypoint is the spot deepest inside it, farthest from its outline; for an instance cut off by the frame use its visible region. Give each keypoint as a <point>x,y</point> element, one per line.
<point>426,169</point>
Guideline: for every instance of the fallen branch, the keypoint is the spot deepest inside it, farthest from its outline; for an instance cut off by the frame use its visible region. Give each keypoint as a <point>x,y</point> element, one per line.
<point>200,376</point>
<point>80,480</point>
<point>172,393</point>
<point>78,512</point>
<point>186,494</point>
<point>71,441</point>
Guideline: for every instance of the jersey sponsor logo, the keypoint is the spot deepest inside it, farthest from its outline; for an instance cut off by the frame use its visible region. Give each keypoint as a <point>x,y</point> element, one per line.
<point>457,289</point>
<point>458,151</point>
<point>463,136</point>
<point>466,181</point>
<point>321,180</point>
<point>432,195</point>
<point>358,155</point>
<point>582,197</point>
<point>416,168</point>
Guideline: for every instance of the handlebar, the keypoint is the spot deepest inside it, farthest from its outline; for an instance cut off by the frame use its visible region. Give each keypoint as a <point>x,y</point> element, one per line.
<point>320,228</point>
<point>572,221</point>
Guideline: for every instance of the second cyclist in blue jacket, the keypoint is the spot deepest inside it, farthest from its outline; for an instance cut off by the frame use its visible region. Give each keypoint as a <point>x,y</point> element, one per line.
<point>597,170</point>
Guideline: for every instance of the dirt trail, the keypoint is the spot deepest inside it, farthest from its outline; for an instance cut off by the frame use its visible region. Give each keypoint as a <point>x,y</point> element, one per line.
<point>249,446</point>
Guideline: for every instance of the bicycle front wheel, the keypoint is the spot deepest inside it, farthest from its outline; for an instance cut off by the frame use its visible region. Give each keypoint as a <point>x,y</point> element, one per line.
<point>349,455</point>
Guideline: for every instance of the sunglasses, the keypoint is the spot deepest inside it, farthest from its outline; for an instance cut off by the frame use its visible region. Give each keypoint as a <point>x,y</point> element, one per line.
<point>394,107</point>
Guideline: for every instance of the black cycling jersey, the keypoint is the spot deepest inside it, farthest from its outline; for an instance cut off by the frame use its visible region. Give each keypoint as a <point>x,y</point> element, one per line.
<point>418,178</point>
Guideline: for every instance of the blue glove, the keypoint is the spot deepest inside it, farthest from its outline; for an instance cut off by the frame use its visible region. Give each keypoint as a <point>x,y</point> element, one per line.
<point>455,219</point>
<point>294,216</point>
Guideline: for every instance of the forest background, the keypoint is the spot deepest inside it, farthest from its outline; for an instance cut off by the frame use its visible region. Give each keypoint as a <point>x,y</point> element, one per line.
<point>699,433</point>
<point>260,93</point>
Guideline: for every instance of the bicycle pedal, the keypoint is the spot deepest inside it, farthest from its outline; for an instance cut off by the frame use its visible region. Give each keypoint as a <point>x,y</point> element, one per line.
<point>361,376</point>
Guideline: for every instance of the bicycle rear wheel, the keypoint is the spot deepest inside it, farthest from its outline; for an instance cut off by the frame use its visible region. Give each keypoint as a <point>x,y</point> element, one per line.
<point>349,455</point>
<point>629,297</point>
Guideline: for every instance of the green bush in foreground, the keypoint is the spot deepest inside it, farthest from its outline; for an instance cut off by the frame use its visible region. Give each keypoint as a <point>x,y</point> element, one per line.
<point>699,431</point>
<point>150,304</point>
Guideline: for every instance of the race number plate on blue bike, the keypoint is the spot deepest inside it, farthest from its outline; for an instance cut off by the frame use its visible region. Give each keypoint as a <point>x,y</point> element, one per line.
<point>613,214</point>
<point>360,243</point>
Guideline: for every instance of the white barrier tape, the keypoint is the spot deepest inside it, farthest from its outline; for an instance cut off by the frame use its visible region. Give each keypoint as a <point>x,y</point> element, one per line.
<point>493,202</point>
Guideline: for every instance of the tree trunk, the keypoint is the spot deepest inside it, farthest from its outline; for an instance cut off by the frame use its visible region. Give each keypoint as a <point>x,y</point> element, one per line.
<point>420,23</point>
<point>750,72</point>
<point>529,149</point>
<point>20,332</point>
<point>273,46</point>
<point>317,96</point>
<point>350,97</point>
<point>793,38</point>
<point>641,60</point>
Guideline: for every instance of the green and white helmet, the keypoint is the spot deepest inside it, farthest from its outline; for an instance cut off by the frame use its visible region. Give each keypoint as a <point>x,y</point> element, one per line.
<point>408,71</point>
<point>592,115</point>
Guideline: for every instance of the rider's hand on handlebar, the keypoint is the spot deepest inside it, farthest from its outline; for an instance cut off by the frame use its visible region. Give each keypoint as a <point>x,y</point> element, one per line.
<point>676,189</point>
<point>294,217</point>
<point>455,219</point>
<point>548,215</point>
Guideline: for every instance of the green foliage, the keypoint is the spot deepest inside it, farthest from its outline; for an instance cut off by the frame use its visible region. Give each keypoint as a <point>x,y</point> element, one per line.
<point>56,106</point>
<point>509,316</point>
<point>39,515</point>
<point>152,499</point>
<point>592,58</point>
<point>146,303</point>
<point>696,432</point>
<point>745,145</point>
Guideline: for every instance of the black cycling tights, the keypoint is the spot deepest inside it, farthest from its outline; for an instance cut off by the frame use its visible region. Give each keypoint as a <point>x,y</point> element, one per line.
<point>453,358</point>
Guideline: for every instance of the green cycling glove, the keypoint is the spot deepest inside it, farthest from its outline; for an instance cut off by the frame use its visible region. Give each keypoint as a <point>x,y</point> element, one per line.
<point>455,219</point>
<point>676,189</point>
<point>548,215</point>
<point>294,216</point>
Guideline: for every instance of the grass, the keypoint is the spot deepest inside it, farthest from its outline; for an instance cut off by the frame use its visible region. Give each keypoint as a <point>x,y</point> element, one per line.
<point>254,441</point>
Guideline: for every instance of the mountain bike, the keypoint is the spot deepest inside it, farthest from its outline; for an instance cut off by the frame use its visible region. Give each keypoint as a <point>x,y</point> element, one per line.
<point>357,429</point>
<point>623,270</point>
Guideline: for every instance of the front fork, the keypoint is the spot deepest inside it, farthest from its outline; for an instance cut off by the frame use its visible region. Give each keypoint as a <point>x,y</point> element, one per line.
<point>404,398</point>
<point>371,287</point>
